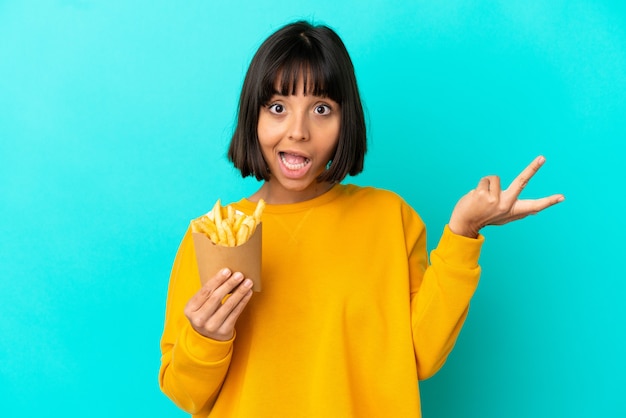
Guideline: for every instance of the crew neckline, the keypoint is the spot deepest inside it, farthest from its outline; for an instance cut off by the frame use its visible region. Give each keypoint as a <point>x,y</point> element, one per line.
<point>322,199</point>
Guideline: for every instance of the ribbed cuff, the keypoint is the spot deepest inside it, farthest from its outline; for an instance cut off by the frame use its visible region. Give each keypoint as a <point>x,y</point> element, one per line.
<point>206,350</point>
<point>458,250</point>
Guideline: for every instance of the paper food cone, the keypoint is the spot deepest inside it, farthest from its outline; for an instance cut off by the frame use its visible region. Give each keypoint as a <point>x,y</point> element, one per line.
<point>246,258</point>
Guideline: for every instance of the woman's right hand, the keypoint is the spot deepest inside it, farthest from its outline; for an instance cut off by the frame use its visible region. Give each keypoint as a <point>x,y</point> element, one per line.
<point>206,312</point>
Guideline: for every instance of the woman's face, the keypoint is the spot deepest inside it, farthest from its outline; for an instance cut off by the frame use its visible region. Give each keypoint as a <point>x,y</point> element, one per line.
<point>298,135</point>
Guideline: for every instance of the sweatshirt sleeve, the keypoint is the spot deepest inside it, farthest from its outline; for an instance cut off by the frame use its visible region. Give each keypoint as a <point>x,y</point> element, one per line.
<point>193,367</point>
<point>440,293</point>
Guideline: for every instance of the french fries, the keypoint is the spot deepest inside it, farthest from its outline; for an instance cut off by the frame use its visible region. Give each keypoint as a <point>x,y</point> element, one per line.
<point>227,227</point>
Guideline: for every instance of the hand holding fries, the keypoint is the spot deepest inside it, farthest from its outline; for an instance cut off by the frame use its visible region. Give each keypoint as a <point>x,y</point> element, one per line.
<point>227,227</point>
<point>215,308</point>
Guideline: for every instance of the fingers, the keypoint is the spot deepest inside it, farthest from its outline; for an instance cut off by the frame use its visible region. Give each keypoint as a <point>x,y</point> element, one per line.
<point>221,324</point>
<point>483,184</point>
<point>214,309</point>
<point>207,290</point>
<point>524,208</point>
<point>236,304</point>
<point>494,187</point>
<point>489,205</point>
<point>532,207</point>
<point>490,186</point>
<point>520,182</point>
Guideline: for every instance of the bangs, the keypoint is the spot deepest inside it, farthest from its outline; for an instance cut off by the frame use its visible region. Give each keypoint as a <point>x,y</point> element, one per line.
<point>302,66</point>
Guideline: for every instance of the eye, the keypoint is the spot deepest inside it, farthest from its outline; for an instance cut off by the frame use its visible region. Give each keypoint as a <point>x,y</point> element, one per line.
<point>276,108</point>
<point>322,109</point>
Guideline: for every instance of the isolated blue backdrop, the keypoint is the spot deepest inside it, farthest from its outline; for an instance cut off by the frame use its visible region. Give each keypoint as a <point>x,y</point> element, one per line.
<point>114,122</point>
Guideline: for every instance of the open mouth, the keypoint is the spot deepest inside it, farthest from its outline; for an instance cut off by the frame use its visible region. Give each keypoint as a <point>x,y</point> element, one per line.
<point>293,161</point>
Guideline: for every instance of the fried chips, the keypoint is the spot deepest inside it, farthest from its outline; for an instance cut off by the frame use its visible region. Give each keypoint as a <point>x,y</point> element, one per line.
<point>227,227</point>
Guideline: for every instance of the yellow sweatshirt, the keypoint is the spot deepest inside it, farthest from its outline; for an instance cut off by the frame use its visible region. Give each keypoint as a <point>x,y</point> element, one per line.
<point>351,315</point>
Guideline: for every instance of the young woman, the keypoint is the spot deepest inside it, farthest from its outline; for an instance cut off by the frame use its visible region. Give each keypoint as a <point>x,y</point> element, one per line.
<point>352,312</point>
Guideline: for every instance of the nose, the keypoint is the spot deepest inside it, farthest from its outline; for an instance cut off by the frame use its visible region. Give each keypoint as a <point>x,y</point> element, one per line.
<point>299,127</point>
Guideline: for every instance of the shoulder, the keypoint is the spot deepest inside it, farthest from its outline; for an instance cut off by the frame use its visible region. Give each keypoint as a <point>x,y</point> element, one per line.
<point>373,195</point>
<point>369,193</point>
<point>378,200</point>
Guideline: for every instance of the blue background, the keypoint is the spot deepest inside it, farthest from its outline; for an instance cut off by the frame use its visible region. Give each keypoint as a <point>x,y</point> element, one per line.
<point>114,122</point>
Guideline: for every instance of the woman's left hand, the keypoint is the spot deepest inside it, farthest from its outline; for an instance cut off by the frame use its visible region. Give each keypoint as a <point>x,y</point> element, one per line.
<point>488,204</point>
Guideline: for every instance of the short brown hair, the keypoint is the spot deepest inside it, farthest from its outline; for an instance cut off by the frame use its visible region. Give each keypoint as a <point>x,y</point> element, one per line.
<point>301,50</point>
